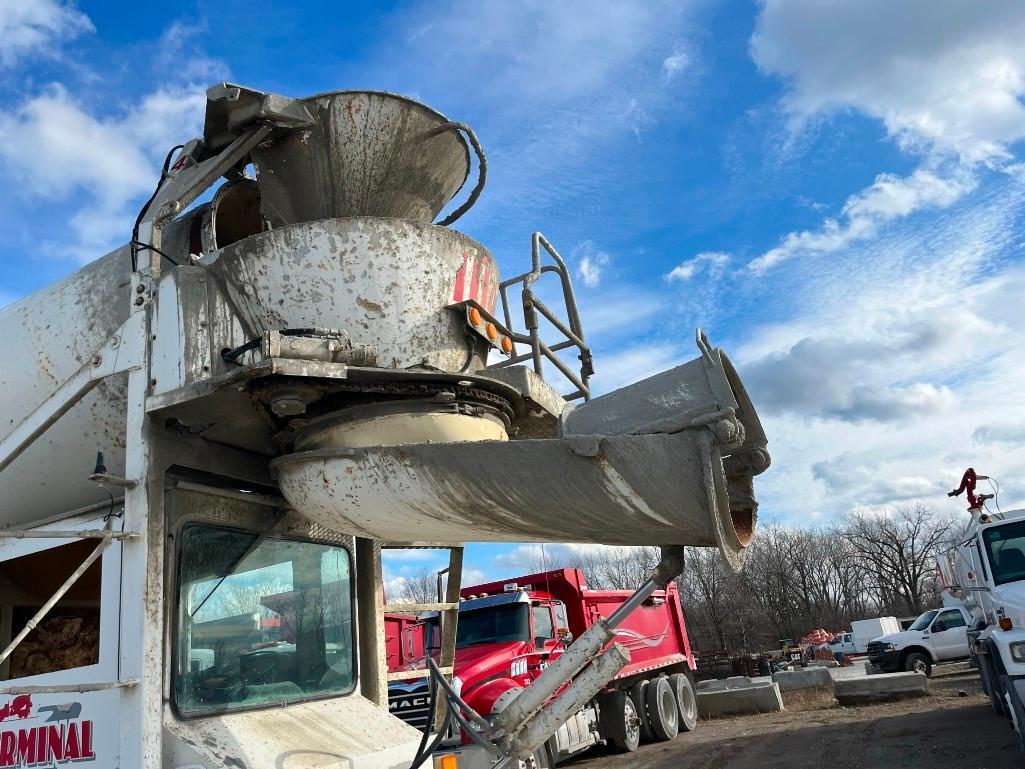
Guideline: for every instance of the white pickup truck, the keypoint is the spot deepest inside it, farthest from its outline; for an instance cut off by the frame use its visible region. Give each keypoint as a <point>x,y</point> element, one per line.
<point>939,635</point>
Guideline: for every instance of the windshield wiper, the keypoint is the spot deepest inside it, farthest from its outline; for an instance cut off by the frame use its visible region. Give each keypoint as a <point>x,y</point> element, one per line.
<point>238,561</point>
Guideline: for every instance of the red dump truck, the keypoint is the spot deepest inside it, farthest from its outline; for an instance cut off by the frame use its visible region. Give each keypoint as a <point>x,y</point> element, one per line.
<point>509,631</point>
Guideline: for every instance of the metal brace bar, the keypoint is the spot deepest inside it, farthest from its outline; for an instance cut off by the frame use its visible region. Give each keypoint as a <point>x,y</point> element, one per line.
<point>407,675</point>
<point>71,688</point>
<point>79,534</point>
<point>418,607</point>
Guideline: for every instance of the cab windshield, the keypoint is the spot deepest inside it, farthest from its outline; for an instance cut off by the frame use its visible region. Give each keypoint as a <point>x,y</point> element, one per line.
<point>1005,546</point>
<point>260,622</point>
<point>923,622</point>
<point>494,624</point>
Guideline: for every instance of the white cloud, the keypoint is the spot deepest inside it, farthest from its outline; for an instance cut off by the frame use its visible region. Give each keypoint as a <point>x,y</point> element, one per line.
<point>672,65</point>
<point>34,26</point>
<point>592,262</point>
<point>897,368</point>
<point>713,262</point>
<point>890,197</point>
<point>947,86</point>
<point>55,147</point>
<point>1011,432</point>
<point>949,78</point>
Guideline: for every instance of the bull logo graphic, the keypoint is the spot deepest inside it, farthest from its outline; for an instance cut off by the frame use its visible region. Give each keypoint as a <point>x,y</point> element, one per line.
<point>19,707</point>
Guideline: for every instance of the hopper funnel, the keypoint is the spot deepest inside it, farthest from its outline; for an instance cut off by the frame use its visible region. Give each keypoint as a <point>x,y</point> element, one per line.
<point>364,153</point>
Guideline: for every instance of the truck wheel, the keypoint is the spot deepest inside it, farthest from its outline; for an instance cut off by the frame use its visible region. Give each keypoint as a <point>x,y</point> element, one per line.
<point>916,662</point>
<point>686,702</point>
<point>631,737</point>
<point>541,759</point>
<point>1015,709</point>
<point>990,685</point>
<point>639,695</point>
<point>663,713</point>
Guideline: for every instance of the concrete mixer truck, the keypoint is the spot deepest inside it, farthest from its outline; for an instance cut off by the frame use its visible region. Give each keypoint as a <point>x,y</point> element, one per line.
<point>208,436</point>
<point>984,575</point>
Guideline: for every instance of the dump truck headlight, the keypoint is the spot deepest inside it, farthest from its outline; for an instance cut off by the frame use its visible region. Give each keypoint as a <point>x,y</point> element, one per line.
<point>1018,651</point>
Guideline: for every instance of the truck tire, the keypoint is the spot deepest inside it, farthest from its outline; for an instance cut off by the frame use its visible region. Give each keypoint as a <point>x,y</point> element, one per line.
<point>916,662</point>
<point>623,710</point>
<point>1015,710</point>
<point>686,701</point>
<point>991,685</point>
<point>663,712</point>
<point>639,695</point>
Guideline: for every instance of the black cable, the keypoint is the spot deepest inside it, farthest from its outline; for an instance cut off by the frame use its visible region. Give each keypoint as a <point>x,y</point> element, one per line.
<point>164,171</point>
<point>140,246</point>
<point>231,356</point>
<point>431,694</point>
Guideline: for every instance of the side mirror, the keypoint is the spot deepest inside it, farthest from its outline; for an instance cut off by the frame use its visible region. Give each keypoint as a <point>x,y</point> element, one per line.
<point>565,637</point>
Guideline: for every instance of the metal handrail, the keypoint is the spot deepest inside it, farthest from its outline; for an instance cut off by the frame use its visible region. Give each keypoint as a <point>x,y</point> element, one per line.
<point>532,307</point>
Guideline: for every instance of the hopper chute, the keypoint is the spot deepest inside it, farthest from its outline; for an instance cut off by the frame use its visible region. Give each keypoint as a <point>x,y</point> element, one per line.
<point>363,153</point>
<point>669,460</point>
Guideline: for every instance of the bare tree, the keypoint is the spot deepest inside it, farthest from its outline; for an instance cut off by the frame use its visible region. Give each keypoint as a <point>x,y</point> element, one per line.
<point>899,553</point>
<point>420,587</point>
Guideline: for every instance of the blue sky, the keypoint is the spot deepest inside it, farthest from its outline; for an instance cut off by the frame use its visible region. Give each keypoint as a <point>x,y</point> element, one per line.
<point>831,189</point>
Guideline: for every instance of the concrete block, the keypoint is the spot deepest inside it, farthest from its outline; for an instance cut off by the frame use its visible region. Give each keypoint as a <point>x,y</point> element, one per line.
<point>881,688</point>
<point>802,679</point>
<point>721,684</point>
<point>823,664</point>
<point>758,698</point>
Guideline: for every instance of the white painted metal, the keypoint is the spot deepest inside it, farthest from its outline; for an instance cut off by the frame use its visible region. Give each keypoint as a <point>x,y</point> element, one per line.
<point>384,281</point>
<point>49,336</point>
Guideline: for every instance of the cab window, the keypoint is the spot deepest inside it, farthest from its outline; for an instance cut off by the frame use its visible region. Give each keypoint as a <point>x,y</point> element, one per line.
<point>544,630</point>
<point>260,622</point>
<point>948,620</point>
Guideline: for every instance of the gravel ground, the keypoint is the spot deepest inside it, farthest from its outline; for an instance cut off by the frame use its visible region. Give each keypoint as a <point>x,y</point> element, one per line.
<point>946,730</point>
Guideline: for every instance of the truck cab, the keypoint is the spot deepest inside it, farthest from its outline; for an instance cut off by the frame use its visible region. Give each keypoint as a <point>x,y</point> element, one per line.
<point>842,643</point>
<point>510,631</point>
<point>938,635</point>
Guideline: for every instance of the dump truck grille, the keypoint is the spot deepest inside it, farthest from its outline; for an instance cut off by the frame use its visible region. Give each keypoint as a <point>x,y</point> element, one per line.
<point>411,702</point>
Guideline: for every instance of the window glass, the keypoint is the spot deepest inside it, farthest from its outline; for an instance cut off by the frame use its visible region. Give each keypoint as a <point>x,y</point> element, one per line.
<point>260,622</point>
<point>495,624</point>
<point>543,627</point>
<point>951,619</point>
<point>924,621</point>
<point>1006,548</point>
<point>561,621</point>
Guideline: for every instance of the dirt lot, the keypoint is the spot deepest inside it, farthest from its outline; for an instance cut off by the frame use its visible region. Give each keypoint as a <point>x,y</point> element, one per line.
<point>943,730</point>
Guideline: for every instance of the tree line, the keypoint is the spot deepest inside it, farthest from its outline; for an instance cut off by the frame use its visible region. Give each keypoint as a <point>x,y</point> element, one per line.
<point>793,580</point>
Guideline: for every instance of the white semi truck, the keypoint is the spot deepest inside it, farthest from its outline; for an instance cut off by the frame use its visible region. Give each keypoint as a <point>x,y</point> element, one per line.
<point>208,435</point>
<point>985,576</point>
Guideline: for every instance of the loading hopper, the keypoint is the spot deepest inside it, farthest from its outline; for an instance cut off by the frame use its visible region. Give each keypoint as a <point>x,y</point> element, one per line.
<point>363,153</point>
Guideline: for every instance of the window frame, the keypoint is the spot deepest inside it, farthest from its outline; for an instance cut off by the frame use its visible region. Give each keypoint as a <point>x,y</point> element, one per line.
<point>953,612</point>
<point>186,715</point>
<point>547,606</point>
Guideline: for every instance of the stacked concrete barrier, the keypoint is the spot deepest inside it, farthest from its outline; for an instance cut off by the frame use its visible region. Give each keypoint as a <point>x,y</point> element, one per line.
<point>881,688</point>
<point>806,678</point>
<point>738,696</point>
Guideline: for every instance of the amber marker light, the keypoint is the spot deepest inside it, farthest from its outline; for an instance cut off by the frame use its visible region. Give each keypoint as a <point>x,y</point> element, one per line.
<point>507,344</point>
<point>1005,623</point>
<point>475,317</point>
<point>492,332</point>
